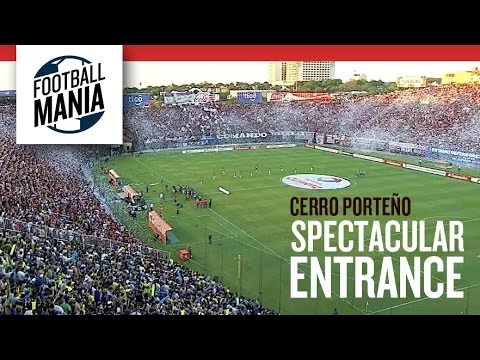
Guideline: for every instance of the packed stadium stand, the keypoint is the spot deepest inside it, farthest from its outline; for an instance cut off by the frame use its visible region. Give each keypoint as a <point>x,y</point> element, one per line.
<point>434,116</point>
<point>63,252</point>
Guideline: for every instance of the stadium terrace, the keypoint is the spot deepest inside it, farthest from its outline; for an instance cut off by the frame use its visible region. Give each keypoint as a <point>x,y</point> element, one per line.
<point>442,117</point>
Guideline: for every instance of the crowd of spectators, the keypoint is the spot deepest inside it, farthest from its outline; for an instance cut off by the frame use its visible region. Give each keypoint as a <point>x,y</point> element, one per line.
<point>444,116</point>
<point>64,252</point>
<point>34,191</point>
<point>49,276</point>
<point>61,252</point>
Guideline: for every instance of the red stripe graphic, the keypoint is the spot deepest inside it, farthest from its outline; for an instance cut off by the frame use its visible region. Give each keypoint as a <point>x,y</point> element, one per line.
<point>290,52</point>
<point>7,52</point>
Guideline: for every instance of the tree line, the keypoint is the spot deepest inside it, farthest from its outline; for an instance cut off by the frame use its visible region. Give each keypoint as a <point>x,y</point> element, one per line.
<point>328,86</point>
<point>371,87</point>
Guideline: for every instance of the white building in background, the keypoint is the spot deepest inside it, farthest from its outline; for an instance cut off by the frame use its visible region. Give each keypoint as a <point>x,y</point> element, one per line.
<point>289,72</point>
<point>316,70</point>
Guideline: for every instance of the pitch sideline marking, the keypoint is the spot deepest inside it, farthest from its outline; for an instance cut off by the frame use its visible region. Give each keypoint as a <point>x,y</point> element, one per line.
<point>235,236</point>
<point>222,225</point>
<point>219,232</point>
<point>244,243</point>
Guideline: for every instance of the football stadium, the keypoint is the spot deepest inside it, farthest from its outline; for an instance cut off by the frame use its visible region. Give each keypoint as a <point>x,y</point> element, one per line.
<point>193,214</point>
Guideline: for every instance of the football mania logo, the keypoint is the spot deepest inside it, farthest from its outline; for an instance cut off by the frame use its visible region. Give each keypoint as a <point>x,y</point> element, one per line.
<point>68,94</point>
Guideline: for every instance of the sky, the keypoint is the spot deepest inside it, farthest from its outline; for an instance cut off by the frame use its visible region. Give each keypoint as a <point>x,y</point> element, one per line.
<point>185,72</point>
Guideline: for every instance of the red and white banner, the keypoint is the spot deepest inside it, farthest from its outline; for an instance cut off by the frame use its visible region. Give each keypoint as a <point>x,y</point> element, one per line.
<point>302,96</point>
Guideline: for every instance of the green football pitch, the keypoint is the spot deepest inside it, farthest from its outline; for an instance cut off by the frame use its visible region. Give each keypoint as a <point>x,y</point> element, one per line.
<point>250,247</point>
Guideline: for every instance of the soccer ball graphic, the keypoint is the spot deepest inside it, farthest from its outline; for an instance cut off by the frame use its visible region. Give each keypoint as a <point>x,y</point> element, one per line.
<point>59,65</point>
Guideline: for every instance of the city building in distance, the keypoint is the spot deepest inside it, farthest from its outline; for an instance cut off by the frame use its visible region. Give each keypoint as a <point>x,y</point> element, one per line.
<point>462,77</point>
<point>287,73</point>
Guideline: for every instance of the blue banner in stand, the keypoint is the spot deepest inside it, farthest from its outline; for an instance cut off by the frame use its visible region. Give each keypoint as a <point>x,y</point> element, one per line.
<point>8,93</point>
<point>136,99</point>
<point>249,97</point>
